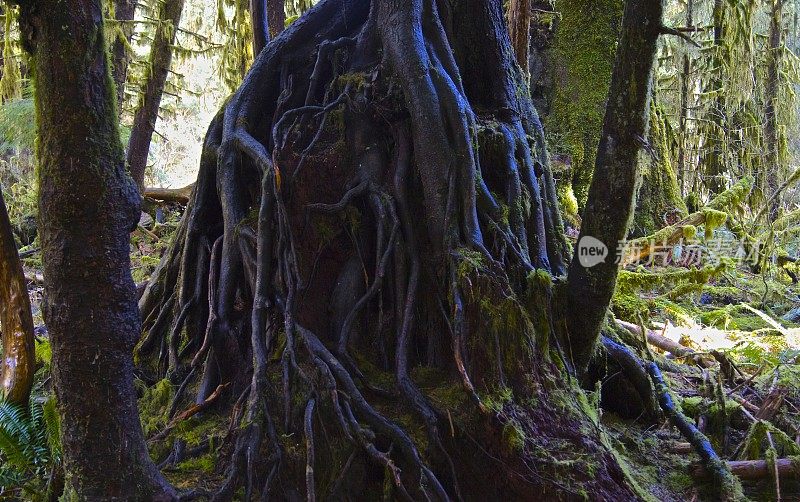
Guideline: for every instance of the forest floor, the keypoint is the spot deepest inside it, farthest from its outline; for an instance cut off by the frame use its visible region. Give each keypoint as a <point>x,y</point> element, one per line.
<point>738,381</point>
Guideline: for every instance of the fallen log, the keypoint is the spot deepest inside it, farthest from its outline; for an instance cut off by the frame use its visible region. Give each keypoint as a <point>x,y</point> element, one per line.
<point>756,469</point>
<point>662,342</point>
<point>178,195</point>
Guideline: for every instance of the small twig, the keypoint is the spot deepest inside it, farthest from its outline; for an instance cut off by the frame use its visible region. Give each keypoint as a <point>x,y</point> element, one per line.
<point>775,468</point>
<point>190,412</point>
<point>666,30</point>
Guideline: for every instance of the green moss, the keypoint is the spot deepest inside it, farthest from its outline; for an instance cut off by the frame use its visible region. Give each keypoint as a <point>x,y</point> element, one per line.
<point>356,80</point>
<point>513,436</point>
<point>568,204</point>
<point>583,56</point>
<point>44,353</point>
<point>495,401</point>
<point>713,220</point>
<point>470,262</point>
<point>628,303</point>
<point>757,446</point>
<point>205,463</point>
<point>658,194</point>
<point>154,406</point>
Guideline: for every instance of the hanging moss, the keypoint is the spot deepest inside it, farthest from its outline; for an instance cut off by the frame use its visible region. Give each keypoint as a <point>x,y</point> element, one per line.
<point>713,220</point>
<point>583,55</point>
<point>11,81</point>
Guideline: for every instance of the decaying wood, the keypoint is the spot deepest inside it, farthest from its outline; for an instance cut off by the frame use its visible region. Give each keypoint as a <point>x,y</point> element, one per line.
<point>756,469</point>
<point>662,342</point>
<point>179,195</point>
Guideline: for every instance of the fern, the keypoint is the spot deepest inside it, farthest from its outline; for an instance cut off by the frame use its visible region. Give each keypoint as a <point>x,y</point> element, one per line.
<point>29,445</point>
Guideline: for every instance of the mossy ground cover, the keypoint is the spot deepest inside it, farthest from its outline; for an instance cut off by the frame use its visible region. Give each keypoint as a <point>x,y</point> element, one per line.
<point>734,316</point>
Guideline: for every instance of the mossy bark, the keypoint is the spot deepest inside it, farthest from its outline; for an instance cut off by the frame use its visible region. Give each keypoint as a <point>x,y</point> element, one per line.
<point>659,202</point>
<point>583,59</point>
<point>772,136</point>
<point>406,223</point>
<point>87,207</point>
<point>609,208</point>
<point>124,11</point>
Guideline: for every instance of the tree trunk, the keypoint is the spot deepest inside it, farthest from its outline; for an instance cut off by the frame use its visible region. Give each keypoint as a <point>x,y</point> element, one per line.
<point>583,59</point>
<point>124,11</point>
<point>19,359</point>
<point>714,158</point>
<point>144,121</point>
<point>407,222</point>
<point>773,161</point>
<point>519,28</point>
<point>87,207</point>
<point>687,83</point>
<point>612,194</point>
<point>258,18</point>
<point>658,202</point>
<point>276,17</point>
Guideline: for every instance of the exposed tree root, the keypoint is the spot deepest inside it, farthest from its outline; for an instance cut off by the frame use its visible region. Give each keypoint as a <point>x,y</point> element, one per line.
<point>343,241</point>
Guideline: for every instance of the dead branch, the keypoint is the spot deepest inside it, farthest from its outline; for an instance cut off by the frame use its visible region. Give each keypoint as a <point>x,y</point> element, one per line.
<point>662,342</point>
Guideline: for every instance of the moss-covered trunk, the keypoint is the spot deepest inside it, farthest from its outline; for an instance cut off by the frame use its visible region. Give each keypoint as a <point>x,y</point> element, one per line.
<point>610,205</point>
<point>582,59</point>
<point>773,166</point>
<point>659,202</point>
<point>379,305</point>
<point>87,207</point>
<point>124,11</point>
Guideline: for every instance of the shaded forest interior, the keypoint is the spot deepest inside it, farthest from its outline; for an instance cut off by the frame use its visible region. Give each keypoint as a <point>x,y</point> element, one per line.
<point>400,250</point>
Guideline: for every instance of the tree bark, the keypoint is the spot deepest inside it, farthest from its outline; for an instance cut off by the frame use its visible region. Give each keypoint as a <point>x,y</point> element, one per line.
<point>609,207</point>
<point>276,17</point>
<point>124,11</point>
<point>658,201</point>
<point>583,60</point>
<point>87,207</point>
<point>258,19</point>
<point>144,121</point>
<point>418,131</point>
<point>772,165</point>
<point>519,28</point>
<point>19,359</point>
<point>714,158</point>
<point>686,84</point>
